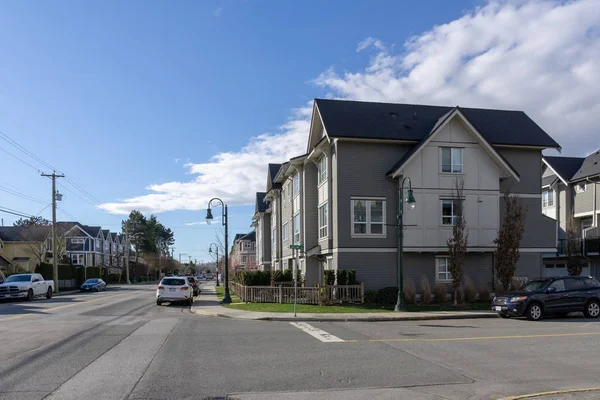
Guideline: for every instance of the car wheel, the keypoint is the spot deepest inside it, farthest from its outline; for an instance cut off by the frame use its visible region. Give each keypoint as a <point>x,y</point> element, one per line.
<point>97,289</point>
<point>49,293</point>
<point>534,312</point>
<point>30,294</point>
<point>503,315</point>
<point>191,301</point>
<point>592,309</point>
<point>158,302</point>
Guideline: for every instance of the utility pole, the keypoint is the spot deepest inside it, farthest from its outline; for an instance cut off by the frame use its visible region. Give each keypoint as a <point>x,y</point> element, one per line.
<point>127,255</point>
<point>54,255</point>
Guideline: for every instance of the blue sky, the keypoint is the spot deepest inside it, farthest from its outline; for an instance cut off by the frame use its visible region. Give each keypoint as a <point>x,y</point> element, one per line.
<point>124,95</point>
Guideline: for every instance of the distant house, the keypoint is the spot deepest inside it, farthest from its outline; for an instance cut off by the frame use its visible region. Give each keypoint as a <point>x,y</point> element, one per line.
<point>243,252</point>
<point>22,248</point>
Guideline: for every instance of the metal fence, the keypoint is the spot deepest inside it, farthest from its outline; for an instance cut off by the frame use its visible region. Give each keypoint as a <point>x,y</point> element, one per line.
<point>306,295</point>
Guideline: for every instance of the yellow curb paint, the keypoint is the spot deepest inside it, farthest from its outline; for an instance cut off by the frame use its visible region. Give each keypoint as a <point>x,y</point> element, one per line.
<point>532,395</point>
<point>59,307</point>
<point>477,338</point>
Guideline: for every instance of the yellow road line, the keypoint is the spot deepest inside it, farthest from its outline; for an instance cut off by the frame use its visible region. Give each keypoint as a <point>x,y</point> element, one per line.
<point>476,338</point>
<point>531,395</point>
<point>42,310</point>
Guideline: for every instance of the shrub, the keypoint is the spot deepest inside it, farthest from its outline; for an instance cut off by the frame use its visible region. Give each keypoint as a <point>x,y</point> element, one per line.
<point>515,284</point>
<point>342,277</point>
<point>498,288</point>
<point>351,277</point>
<point>470,292</point>
<point>329,277</point>
<point>425,290</point>
<point>410,292</point>
<point>460,293</point>
<point>287,275</point>
<point>275,277</point>
<point>484,294</point>
<point>371,296</point>
<point>387,295</point>
<point>439,293</point>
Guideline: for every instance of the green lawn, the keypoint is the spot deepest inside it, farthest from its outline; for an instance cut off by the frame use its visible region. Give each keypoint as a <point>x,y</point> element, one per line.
<point>357,308</point>
<point>220,290</point>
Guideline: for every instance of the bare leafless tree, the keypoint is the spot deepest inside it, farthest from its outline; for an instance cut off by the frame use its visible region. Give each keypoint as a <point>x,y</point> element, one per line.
<point>510,234</point>
<point>573,248</point>
<point>458,242</point>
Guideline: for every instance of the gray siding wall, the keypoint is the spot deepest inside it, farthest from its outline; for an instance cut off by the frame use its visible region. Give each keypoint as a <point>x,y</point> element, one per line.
<point>266,237</point>
<point>362,168</point>
<point>286,216</point>
<point>332,176</point>
<point>309,206</point>
<point>530,265</point>
<point>376,270</point>
<point>583,201</point>
<point>540,230</point>
<point>528,163</point>
<point>563,206</point>
<point>597,186</point>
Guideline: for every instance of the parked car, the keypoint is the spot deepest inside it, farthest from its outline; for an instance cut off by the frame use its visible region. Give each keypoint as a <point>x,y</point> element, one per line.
<point>200,276</point>
<point>174,289</point>
<point>26,286</point>
<point>93,284</point>
<point>194,284</point>
<point>551,296</point>
<point>209,276</point>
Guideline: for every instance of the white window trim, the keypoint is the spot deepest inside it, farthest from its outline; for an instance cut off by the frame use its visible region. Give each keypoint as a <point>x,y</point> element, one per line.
<point>368,222</point>
<point>77,241</point>
<point>274,233</point>
<point>442,216</point>
<point>294,228</point>
<point>579,188</point>
<point>462,164</point>
<point>244,259</point>
<point>296,192</point>
<point>546,202</point>
<point>285,232</point>
<point>437,271</point>
<point>326,225</point>
<point>320,180</point>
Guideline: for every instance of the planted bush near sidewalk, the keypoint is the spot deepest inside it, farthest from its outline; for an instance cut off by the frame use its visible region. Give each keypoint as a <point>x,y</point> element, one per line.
<point>352,277</point>
<point>439,293</point>
<point>342,277</point>
<point>329,277</point>
<point>387,295</point>
<point>484,294</point>
<point>425,290</point>
<point>470,292</point>
<point>410,292</point>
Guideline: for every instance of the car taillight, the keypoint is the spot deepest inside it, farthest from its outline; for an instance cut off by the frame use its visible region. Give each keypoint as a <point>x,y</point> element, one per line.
<point>161,288</point>
<point>185,288</point>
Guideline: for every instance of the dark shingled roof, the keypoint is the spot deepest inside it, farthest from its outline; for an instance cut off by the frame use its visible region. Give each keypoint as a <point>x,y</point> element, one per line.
<point>282,170</point>
<point>548,180</point>
<point>105,233</point>
<point>261,205</point>
<point>272,173</point>
<point>24,233</point>
<point>387,121</point>
<point>250,236</point>
<point>565,167</point>
<point>91,230</point>
<point>238,236</point>
<point>589,167</point>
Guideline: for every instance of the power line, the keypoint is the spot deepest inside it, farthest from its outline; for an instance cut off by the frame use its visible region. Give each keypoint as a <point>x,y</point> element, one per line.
<point>82,190</point>
<point>76,195</point>
<point>15,212</point>
<point>24,162</point>
<point>68,214</point>
<point>24,150</point>
<point>43,210</point>
<point>21,195</point>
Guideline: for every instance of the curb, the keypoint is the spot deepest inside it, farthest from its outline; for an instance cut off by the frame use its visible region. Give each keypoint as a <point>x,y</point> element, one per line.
<point>300,318</point>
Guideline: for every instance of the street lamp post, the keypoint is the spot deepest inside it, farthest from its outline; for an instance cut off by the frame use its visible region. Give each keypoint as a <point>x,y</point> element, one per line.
<point>410,200</point>
<point>217,263</point>
<point>209,218</point>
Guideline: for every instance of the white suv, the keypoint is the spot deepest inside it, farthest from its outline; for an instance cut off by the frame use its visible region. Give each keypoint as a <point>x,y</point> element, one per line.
<point>173,289</point>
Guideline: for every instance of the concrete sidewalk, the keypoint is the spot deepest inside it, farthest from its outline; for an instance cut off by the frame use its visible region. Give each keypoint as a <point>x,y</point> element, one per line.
<point>208,305</point>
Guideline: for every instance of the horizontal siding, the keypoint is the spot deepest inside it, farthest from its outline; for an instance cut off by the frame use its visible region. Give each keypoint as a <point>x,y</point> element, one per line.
<point>309,206</point>
<point>529,265</point>
<point>376,270</point>
<point>584,201</point>
<point>540,230</point>
<point>528,164</point>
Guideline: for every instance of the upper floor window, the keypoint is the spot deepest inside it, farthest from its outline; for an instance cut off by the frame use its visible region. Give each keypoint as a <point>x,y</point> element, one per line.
<point>322,170</point>
<point>97,243</point>
<point>548,198</point>
<point>581,187</point>
<point>296,185</point>
<point>368,217</point>
<point>323,221</point>
<point>289,192</point>
<point>285,231</point>
<point>77,259</point>
<point>274,238</point>
<point>77,241</point>
<point>450,211</point>
<point>246,245</point>
<point>297,228</point>
<point>452,160</point>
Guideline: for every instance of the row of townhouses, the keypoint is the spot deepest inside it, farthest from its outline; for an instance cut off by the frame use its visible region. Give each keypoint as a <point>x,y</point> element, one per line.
<point>340,199</point>
<point>243,251</point>
<point>83,245</point>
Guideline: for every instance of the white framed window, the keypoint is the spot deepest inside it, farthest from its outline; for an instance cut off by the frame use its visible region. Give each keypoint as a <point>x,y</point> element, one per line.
<point>97,243</point>
<point>297,228</point>
<point>77,241</point>
<point>368,216</point>
<point>296,184</point>
<point>246,245</point>
<point>452,160</point>
<point>285,231</point>
<point>322,170</point>
<point>450,210</point>
<point>581,187</point>
<point>289,192</point>
<point>252,259</point>
<point>323,221</point>
<point>548,198</point>
<point>244,259</point>
<point>77,259</point>
<point>274,238</point>
<point>329,265</point>
<point>442,274</point>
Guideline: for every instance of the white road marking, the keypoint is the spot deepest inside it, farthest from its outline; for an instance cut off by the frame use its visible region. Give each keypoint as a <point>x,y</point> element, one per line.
<point>316,332</point>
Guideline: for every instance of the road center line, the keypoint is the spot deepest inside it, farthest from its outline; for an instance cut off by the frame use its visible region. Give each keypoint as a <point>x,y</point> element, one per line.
<point>316,332</point>
<point>477,338</point>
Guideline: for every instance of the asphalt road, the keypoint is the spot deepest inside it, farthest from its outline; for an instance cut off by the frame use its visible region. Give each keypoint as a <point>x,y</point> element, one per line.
<point>119,344</point>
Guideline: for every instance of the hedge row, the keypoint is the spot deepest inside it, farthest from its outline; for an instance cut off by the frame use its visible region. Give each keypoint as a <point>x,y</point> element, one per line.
<point>263,278</point>
<point>68,272</point>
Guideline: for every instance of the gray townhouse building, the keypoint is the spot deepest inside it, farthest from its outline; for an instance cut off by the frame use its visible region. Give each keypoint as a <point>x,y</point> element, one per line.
<point>341,198</point>
<point>93,246</point>
<point>243,251</point>
<point>571,190</point>
<point>261,222</point>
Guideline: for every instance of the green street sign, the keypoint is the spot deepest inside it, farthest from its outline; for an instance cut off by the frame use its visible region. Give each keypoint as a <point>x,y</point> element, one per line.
<point>296,247</point>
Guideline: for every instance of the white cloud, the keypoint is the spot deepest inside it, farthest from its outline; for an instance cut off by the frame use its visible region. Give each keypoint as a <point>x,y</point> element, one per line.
<point>541,57</point>
<point>176,160</point>
<point>218,11</point>
<point>215,220</point>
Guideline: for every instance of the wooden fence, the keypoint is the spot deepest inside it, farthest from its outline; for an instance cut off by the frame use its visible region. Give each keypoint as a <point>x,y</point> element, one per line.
<point>306,295</point>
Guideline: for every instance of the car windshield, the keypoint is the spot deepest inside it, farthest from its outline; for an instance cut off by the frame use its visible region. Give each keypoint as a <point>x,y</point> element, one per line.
<point>18,278</point>
<point>534,286</point>
<point>91,281</point>
<point>191,280</point>
<point>173,282</point>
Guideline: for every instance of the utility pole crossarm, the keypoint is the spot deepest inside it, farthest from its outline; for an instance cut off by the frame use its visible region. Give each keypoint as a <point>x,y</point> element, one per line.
<point>54,255</point>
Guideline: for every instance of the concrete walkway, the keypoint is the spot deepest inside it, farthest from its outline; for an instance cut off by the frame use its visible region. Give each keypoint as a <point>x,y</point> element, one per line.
<point>208,305</point>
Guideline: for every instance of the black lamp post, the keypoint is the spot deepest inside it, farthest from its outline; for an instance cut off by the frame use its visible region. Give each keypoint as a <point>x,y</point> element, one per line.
<point>410,200</point>
<point>209,218</point>
<point>217,263</point>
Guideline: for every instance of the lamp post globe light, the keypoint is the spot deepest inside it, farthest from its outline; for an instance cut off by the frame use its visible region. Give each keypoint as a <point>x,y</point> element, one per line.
<point>217,263</point>
<point>410,200</point>
<point>209,218</point>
